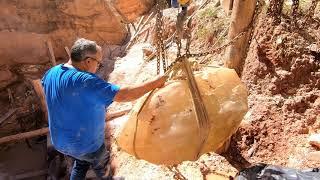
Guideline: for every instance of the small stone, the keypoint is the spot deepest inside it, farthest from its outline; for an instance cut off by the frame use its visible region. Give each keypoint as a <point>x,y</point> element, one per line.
<point>147,51</point>
<point>314,140</point>
<point>314,156</point>
<point>303,130</point>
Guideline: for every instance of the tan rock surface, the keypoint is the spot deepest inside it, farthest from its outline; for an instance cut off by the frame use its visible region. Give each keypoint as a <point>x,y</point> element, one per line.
<point>166,128</point>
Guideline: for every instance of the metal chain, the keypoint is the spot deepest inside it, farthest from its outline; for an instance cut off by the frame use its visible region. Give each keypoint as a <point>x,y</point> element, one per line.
<point>214,51</point>
<point>272,7</point>
<point>181,17</point>
<point>295,9</point>
<point>312,9</point>
<point>253,23</point>
<point>188,30</point>
<point>158,27</point>
<point>219,49</point>
<point>161,55</point>
<point>275,10</point>
<point>257,11</point>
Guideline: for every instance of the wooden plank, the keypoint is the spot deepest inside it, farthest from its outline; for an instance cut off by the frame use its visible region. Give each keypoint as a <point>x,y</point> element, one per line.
<point>241,18</point>
<point>139,24</point>
<point>44,131</point>
<point>52,57</point>
<point>25,135</point>
<point>67,51</point>
<point>134,27</point>
<point>7,115</point>
<point>138,32</point>
<point>31,174</point>
<point>40,93</point>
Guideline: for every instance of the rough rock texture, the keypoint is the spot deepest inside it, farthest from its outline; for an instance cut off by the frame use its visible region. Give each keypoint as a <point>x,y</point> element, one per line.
<point>131,9</point>
<point>26,27</point>
<point>164,130</point>
<point>283,80</point>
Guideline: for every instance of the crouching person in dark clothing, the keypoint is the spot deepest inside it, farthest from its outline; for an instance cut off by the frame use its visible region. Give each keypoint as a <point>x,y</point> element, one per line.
<point>77,100</point>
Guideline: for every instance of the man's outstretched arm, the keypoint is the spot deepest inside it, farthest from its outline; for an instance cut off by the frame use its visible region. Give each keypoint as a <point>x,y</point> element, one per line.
<point>132,93</point>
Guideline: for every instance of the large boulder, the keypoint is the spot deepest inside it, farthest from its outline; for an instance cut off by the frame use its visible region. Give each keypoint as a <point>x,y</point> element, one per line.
<point>163,129</point>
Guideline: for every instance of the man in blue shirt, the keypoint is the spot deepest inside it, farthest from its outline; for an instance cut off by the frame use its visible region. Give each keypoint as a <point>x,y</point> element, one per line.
<point>77,100</point>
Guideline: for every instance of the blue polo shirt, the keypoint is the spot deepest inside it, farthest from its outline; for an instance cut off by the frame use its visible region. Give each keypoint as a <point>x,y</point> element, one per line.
<point>77,103</point>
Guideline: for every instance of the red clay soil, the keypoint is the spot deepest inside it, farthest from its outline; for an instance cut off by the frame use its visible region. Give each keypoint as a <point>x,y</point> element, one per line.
<point>283,79</point>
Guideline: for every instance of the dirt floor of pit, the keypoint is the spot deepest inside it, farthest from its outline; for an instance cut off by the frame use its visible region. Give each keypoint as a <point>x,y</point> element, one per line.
<point>20,161</point>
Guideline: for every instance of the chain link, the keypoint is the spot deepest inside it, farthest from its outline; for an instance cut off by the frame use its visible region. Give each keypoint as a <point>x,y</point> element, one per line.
<point>295,9</point>
<point>275,10</point>
<point>250,28</point>
<point>312,9</point>
<point>256,13</point>
<point>161,55</point>
<point>188,31</point>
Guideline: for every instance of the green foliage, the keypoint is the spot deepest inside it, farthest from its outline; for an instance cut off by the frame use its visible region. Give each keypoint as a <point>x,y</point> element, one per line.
<point>209,13</point>
<point>211,23</point>
<point>303,6</point>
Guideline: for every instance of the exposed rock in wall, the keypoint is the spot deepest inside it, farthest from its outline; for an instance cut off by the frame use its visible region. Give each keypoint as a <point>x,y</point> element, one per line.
<point>131,9</point>
<point>25,28</point>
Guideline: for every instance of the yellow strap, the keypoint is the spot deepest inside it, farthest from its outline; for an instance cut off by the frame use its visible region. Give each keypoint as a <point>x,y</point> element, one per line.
<point>137,123</point>
<point>201,112</point>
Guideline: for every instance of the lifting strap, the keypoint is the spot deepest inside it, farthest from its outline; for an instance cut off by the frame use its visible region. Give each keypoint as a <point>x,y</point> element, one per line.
<point>201,111</point>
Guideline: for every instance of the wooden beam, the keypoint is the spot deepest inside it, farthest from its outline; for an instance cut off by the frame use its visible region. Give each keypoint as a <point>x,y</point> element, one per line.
<point>139,24</point>
<point>134,27</point>
<point>25,135</point>
<point>31,174</point>
<point>52,57</point>
<point>45,131</point>
<point>7,115</point>
<point>138,32</point>
<point>40,93</point>
<point>67,51</point>
<point>241,18</point>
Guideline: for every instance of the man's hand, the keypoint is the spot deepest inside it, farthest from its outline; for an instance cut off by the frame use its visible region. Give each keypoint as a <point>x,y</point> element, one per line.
<point>132,93</point>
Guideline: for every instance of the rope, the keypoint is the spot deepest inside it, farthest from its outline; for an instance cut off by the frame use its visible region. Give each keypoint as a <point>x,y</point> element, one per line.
<point>201,112</point>
<point>137,122</point>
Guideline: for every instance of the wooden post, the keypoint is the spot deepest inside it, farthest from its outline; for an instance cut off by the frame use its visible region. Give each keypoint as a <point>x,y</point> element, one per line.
<point>7,115</point>
<point>26,135</point>
<point>39,91</point>
<point>45,131</point>
<point>67,51</point>
<point>52,57</point>
<point>226,5</point>
<point>31,174</point>
<point>241,18</point>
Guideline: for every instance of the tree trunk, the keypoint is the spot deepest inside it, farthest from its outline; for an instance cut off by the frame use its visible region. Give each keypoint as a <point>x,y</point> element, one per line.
<point>241,17</point>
